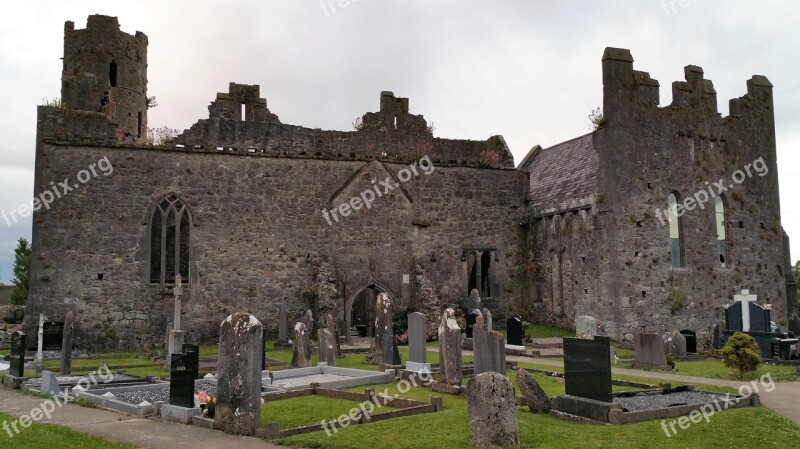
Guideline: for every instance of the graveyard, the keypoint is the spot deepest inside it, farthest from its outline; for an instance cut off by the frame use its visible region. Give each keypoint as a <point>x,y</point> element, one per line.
<point>256,281</point>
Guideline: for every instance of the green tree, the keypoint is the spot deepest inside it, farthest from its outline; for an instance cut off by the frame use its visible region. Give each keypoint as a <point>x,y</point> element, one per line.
<point>22,272</point>
<point>741,352</point>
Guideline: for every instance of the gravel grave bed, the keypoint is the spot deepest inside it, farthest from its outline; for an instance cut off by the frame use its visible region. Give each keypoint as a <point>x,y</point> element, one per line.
<point>160,393</point>
<point>645,401</point>
<point>73,380</point>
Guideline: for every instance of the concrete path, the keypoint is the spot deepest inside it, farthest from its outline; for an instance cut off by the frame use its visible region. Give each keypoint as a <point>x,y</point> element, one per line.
<point>119,427</point>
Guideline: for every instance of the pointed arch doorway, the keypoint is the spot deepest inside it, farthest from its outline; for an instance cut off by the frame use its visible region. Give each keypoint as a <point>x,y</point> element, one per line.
<point>360,308</point>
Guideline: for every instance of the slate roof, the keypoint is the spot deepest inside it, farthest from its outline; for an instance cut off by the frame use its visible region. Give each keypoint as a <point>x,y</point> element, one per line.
<point>562,172</point>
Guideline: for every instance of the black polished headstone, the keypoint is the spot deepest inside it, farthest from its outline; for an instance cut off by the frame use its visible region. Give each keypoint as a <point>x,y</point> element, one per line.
<point>52,335</point>
<point>691,341</point>
<point>193,356</point>
<point>182,374</point>
<point>587,368</point>
<point>18,340</point>
<point>471,318</point>
<point>514,330</point>
<point>759,318</point>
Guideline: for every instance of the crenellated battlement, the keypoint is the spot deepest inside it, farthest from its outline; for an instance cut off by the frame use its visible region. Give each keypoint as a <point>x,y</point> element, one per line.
<point>628,92</point>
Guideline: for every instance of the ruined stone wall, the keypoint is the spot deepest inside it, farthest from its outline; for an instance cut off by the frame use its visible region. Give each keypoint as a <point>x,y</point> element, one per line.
<point>258,232</point>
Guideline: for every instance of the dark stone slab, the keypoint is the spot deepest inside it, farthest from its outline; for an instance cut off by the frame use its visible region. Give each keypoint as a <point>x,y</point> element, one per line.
<point>587,368</point>
<point>533,394</point>
<point>391,354</point>
<point>52,335</point>
<point>514,330</point>
<point>18,347</point>
<point>794,325</point>
<point>66,344</point>
<point>759,318</point>
<point>471,319</point>
<point>283,325</point>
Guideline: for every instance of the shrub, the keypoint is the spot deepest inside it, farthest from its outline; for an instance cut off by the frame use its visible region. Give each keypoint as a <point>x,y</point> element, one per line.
<point>741,352</point>
<point>675,299</point>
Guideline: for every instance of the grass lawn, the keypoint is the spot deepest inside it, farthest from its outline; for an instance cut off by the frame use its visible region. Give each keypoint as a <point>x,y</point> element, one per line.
<point>38,436</point>
<point>715,369</point>
<point>449,429</point>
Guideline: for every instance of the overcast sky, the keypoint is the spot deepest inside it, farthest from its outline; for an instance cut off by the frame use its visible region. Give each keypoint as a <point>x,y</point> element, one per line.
<point>528,70</point>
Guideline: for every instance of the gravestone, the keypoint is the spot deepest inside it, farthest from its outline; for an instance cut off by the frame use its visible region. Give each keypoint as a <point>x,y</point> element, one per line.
<point>649,349</point>
<point>239,379</point>
<point>66,344</point>
<point>489,352</point>
<point>308,320</point>
<point>751,318</point>
<point>176,336</point>
<point>49,383</point>
<point>391,354</point>
<point>52,335</point>
<point>383,326</point>
<point>794,325</point>
<point>283,328</point>
<point>193,353</point>
<point>18,346</point>
<point>533,394</point>
<point>450,349</point>
<point>181,379</point>
<point>717,335</point>
<point>691,340</point>
<point>514,330</point>
<point>492,412</point>
<point>585,327</point>
<point>474,301</point>
<point>417,350</point>
<point>302,345</point>
<point>330,324</point>
<point>487,319</point>
<point>263,351</point>
<point>587,368</point>
<point>472,317</point>
<point>675,344</point>
<point>327,347</point>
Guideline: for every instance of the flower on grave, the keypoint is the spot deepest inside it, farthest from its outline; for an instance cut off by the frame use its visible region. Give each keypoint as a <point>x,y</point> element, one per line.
<point>402,339</point>
<point>209,407</point>
<point>202,397</point>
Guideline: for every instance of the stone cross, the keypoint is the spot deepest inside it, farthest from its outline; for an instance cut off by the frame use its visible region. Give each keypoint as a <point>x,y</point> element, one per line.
<point>745,298</point>
<point>178,293</point>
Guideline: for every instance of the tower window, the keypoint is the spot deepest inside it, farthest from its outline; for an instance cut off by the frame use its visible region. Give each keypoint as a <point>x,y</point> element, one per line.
<point>244,112</point>
<point>722,241</point>
<point>139,125</point>
<point>112,74</point>
<point>675,241</point>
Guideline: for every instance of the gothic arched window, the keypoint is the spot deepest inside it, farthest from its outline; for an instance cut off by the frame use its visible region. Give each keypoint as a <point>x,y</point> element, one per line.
<point>675,242</point>
<point>170,228</point>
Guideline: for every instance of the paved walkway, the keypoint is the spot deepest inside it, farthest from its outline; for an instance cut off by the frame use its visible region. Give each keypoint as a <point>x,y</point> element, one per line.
<point>119,427</point>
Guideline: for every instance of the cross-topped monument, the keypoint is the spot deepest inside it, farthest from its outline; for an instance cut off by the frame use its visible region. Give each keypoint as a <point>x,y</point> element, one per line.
<point>175,340</point>
<point>745,298</point>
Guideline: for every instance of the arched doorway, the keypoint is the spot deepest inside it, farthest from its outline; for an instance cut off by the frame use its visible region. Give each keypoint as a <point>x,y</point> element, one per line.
<point>360,308</point>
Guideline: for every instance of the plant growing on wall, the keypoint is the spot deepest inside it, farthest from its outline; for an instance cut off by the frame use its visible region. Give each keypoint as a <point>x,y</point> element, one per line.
<point>489,159</point>
<point>675,300</point>
<point>597,118</point>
